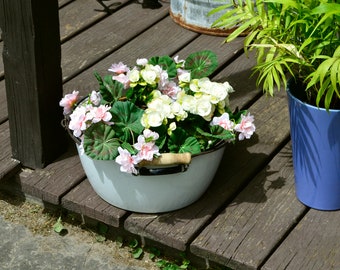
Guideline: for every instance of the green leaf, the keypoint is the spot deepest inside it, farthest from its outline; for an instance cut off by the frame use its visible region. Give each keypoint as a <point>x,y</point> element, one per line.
<point>220,8</point>
<point>166,63</point>
<point>100,238</point>
<point>154,253</point>
<point>133,243</point>
<point>291,3</point>
<point>201,64</point>
<point>217,133</point>
<point>327,8</point>
<point>58,227</point>
<point>119,241</point>
<point>328,97</point>
<point>137,253</point>
<point>335,70</point>
<point>102,228</point>
<point>109,89</point>
<point>100,142</point>
<point>181,142</point>
<point>190,145</point>
<point>127,120</point>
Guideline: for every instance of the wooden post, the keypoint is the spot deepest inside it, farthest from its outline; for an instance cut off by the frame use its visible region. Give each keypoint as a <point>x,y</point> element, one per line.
<point>32,56</point>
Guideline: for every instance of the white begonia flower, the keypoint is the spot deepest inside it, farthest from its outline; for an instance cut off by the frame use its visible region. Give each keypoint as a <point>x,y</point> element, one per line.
<point>134,75</point>
<point>142,61</point>
<point>188,102</point>
<point>159,109</point>
<point>200,85</point>
<point>178,61</point>
<point>172,127</point>
<point>228,87</point>
<point>210,116</point>
<point>203,106</point>
<point>151,73</point>
<point>204,83</point>
<point>184,76</point>
<point>156,94</point>
<point>178,111</point>
<point>194,85</point>
<point>162,105</point>
<point>149,76</point>
<point>152,118</point>
<point>218,92</point>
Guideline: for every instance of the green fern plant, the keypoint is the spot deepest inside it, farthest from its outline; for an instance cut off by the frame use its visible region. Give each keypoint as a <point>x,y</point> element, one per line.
<point>292,38</point>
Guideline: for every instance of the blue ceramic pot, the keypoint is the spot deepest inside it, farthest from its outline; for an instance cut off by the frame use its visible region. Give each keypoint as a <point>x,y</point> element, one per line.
<point>315,135</point>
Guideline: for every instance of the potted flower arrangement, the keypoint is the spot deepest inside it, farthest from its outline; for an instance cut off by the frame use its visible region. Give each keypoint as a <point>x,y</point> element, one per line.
<point>138,133</point>
<point>298,48</point>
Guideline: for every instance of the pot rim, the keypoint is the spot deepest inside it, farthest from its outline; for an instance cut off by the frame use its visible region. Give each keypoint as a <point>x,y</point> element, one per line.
<point>309,105</point>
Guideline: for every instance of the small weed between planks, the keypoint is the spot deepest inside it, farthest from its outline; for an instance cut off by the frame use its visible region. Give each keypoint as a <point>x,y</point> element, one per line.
<point>135,248</point>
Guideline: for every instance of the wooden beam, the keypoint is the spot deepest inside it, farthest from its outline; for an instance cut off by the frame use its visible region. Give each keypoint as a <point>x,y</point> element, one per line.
<point>32,56</point>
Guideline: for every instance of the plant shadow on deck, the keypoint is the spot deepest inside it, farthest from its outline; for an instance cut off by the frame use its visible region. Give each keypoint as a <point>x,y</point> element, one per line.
<point>236,169</point>
<point>268,181</point>
<point>108,4</point>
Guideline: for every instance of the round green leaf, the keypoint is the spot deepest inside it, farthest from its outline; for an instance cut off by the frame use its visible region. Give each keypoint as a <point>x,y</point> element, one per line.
<point>100,142</point>
<point>201,64</point>
<point>127,120</point>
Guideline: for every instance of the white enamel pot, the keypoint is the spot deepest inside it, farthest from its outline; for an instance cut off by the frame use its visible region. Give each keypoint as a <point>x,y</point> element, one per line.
<point>161,190</point>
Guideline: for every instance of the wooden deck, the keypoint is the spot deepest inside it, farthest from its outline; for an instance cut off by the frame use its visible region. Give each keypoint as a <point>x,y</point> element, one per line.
<point>249,218</point>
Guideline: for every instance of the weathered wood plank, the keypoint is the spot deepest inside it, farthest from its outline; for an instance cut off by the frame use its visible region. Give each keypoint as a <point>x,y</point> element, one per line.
<point>102,39</point>
<point>79,15</point>
<point>162,38</point>
<point>225,53</point>
<point>2,70</point>
<point>61,3</point>
<point>8,166</point>
<point>241,162</point>
<point>84,200</point>
<point>31,56</point>
<point>251,226</point>
<point>3,102</point>
<point>55,180</point>
<point>313,244</point>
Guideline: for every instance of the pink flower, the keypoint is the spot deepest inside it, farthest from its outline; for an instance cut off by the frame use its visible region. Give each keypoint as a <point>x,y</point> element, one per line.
<point>119,68</point>
<point>101,113</point>
<point>146,149</point>
<point>78,121</point>
<point>95,98</point>
<point>127,161</point>
<point>246,127</point>
<point>170,89</point>
<point>163,78</point>
<point>68,101</point>
<point>122,78</point>
<point>149,134</point>
<point>223,121</point>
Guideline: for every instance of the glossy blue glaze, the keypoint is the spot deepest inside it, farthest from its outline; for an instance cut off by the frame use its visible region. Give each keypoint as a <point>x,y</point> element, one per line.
<point>315,135</point>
